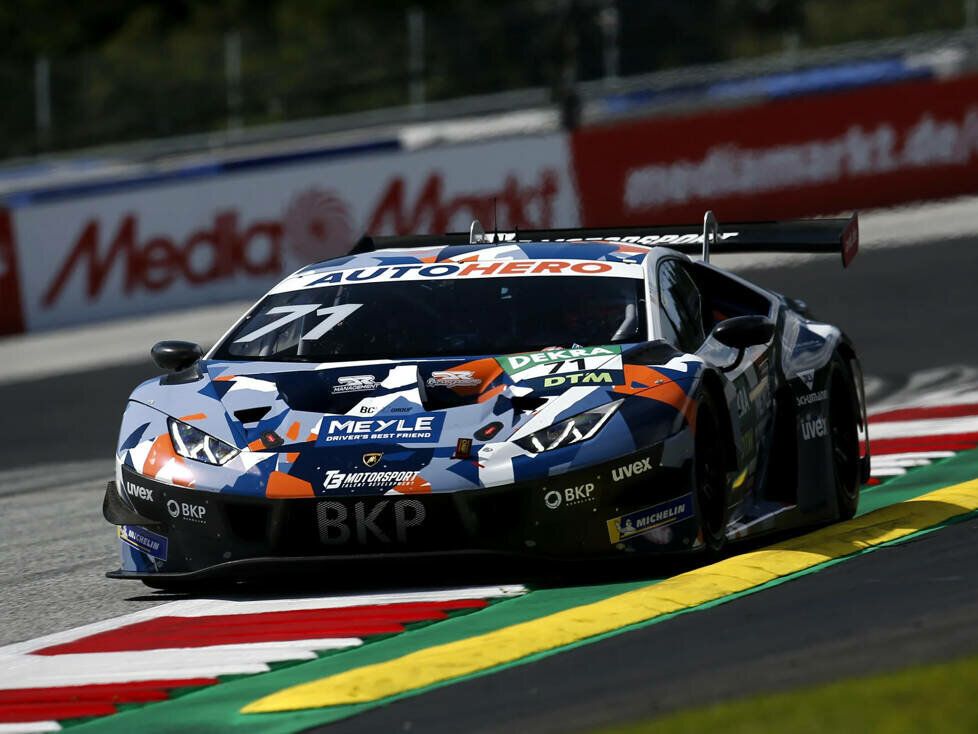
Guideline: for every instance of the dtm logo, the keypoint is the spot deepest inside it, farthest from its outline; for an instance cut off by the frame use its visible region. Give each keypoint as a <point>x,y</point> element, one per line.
<point>817,428</point>
<point>186,511</point>
<point>376,524</point>
<point>134,490</point>
<point>570,496</point>
<point>588,378</point>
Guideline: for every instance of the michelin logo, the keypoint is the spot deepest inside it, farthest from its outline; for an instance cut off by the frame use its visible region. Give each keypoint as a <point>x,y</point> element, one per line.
<point>658,516</point>
<point>143,540</point>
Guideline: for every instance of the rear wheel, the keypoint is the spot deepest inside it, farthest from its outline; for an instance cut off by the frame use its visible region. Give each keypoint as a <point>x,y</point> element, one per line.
<point>843,425</point>
<point>711,477</point>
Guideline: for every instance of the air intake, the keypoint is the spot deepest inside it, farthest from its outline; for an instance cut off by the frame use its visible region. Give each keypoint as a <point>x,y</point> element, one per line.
<point>252,415</point>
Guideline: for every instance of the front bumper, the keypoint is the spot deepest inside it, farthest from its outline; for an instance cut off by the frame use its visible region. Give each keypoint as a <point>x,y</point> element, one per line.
<point>621,507</point>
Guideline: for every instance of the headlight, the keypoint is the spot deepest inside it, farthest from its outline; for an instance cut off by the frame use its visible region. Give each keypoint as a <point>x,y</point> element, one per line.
<point>193,443</point>
<point>577,428</point>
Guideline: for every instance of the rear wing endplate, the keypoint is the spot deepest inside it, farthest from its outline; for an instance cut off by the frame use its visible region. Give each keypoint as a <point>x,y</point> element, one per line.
<point>824,236</point>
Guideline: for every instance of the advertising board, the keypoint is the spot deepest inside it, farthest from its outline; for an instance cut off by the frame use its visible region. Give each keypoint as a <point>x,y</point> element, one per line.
<point>233,235</point>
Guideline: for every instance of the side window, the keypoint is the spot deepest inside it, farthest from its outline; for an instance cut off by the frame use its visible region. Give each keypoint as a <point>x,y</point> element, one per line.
<point>680,307</point>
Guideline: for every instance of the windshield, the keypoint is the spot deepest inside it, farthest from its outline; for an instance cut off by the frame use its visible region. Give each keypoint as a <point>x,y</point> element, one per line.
<point>411,319</point>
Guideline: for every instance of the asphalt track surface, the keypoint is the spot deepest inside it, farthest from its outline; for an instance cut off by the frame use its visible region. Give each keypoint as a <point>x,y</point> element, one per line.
<point>908,309</point>
<point>908,604</point>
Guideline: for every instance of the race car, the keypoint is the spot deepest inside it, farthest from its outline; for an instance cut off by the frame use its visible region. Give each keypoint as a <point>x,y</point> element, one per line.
<point>548,394</point>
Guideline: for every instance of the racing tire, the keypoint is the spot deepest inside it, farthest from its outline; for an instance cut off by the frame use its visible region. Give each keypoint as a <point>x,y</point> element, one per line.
<point>711,477</point>
<point>844,430</point>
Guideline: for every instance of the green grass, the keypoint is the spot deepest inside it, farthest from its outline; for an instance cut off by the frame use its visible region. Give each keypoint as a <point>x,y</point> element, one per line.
<point>935,698</point>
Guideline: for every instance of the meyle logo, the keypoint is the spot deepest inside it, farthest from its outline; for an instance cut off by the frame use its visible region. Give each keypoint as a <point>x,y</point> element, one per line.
<point>631,470</point>
<point>423,427</point>
<point>817,428</point>
<point>812,397</point>
<point>186,511</point>
<point>134,490</point>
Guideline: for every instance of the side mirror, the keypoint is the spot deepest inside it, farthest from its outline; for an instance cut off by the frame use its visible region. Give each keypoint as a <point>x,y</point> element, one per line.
<point>741,332</point>
<point>175,356</point>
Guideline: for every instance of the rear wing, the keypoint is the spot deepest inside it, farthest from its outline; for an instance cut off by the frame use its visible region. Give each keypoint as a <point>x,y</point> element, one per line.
<point>826,236</point>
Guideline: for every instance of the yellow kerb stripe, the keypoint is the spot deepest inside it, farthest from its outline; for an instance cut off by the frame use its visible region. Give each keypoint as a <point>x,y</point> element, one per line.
<point>739,573</point>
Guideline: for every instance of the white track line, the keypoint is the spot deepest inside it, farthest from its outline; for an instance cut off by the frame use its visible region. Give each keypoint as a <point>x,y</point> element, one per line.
<point>210,607</point>
<point>932,455</point>
<point>29,727</point>
<point>889,471</point>
<point>922,428</point>
<point>45,671</point>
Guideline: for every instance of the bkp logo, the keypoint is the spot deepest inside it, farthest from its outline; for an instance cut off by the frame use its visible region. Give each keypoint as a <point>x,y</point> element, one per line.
<point>376,524</point>
<point>186,511</point>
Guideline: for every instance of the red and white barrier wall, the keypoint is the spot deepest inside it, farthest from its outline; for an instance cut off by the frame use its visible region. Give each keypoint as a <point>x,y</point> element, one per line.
<point>157,243</point>
<point>823,153</point>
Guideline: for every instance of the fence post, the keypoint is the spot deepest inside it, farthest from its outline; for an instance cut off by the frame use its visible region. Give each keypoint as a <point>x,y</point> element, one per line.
<point>609,21</point>
<point>415,29</point>
<point>42,101</point>
<point>232,78</point>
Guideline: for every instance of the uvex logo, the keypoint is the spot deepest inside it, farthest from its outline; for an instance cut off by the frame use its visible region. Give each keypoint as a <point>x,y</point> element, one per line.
<point>631,470</point>
<point>134,490</point>
<point>816,428</point>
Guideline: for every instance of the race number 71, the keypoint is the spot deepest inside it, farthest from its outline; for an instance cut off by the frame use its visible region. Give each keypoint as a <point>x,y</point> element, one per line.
<point>333,314</point>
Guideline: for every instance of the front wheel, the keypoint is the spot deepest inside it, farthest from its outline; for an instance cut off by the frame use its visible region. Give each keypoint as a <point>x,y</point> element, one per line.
<point>711,489</point>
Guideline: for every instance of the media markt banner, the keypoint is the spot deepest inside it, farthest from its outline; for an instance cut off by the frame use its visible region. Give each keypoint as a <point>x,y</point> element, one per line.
<point>176,243</point>
<point>817,154</point>
<point>11,321</point>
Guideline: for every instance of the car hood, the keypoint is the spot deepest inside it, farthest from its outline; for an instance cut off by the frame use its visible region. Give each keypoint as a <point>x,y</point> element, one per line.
<point>439,417</point>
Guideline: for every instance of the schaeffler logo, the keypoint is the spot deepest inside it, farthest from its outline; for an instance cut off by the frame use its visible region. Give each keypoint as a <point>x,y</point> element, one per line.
<point>316,224</point>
